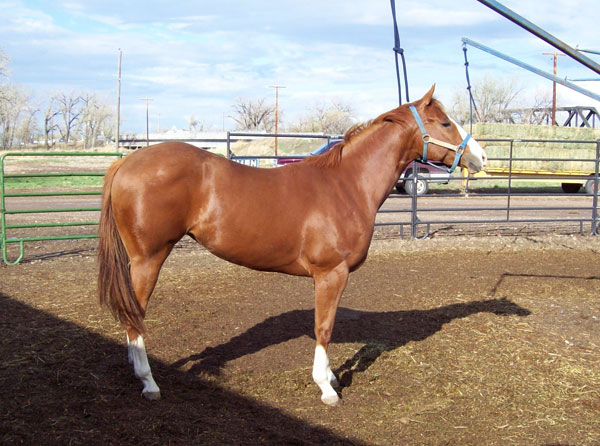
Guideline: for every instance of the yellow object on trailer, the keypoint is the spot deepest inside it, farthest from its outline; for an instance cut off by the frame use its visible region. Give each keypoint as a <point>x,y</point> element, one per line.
<point>569,185</point>
<point>565,154</point>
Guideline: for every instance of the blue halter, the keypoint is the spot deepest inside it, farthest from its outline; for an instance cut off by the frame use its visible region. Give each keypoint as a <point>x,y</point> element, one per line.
<point>460,149</point>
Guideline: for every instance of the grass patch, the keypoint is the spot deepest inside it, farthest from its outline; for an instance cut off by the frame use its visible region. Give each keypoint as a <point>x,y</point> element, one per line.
<point>53,182</point>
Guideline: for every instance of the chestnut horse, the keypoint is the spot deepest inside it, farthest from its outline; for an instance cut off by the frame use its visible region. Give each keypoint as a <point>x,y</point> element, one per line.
<point>314,218</point>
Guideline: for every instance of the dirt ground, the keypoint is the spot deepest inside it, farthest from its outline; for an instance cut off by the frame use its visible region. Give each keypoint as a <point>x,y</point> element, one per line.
<point>446,341</point>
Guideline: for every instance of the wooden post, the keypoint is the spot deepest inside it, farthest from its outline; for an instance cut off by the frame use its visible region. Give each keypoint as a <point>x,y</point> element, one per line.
<point>555,55</point>
<point>276,87</point>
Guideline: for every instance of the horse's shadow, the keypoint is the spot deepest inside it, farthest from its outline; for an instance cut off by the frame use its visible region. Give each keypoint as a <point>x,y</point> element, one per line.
<point>379,331</point>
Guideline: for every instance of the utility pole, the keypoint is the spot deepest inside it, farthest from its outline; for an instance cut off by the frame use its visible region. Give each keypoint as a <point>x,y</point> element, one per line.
<point>118,102</point>
<point>147,123</point>
<point>276,87</point>
<point>555,55</point>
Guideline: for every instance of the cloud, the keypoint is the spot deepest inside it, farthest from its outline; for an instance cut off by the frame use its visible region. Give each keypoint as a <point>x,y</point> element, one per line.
<point>194,60</point>
<point>439,15</point>
<point>18,18</point>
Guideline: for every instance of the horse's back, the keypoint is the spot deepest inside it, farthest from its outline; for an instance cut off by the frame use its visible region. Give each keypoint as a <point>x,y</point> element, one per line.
<point>165,158</point>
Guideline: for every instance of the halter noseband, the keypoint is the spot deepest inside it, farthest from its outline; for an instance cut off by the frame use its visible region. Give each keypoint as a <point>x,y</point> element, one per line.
<point>459,149</point>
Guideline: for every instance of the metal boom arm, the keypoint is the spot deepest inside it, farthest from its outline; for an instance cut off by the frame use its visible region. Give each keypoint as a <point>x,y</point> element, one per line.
<point>539,32</point>
<point>531,68</point>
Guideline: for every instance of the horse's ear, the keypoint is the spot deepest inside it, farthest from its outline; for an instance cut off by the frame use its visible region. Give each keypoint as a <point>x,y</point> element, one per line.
<point>426,100</point>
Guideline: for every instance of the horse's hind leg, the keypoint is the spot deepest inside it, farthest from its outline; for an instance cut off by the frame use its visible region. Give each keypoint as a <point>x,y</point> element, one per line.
<point>144,273</point>
<point>141,367</point>
<point>328,291</point>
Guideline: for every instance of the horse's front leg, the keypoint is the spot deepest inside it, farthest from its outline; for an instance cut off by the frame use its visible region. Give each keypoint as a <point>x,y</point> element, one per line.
<point>329,286</point>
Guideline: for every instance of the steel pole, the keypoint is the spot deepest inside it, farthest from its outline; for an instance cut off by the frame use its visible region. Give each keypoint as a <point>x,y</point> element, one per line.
<point>542,34</point>
<point>118,124</point>
<point>531,68</point>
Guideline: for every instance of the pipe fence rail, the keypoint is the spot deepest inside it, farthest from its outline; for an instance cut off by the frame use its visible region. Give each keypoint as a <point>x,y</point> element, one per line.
<point>418,215</point>
<point>472,198</point>
<point>510,198</point>
<point>43,191</point>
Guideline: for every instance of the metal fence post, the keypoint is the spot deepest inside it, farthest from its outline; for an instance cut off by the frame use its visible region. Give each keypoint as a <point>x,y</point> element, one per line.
<point>2,207</point>
<point>414,220</point>
<point>228,145</point>
<point>508,191</point>
<point>595,218</point>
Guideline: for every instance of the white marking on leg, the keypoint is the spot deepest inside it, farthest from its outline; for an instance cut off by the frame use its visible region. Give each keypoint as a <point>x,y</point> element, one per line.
<point>129,355</point>
<point>323,377</point>
<point>141,368</point>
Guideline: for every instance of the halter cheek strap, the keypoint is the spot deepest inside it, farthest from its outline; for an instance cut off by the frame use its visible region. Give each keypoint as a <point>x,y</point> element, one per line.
<point>459,149</point>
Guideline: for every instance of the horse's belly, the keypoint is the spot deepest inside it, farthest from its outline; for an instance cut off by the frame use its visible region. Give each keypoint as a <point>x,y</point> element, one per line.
<point>260,251</point>
<point>261,258</point>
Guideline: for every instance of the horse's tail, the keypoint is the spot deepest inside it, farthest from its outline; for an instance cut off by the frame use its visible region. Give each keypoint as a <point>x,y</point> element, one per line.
<point>114,279</point>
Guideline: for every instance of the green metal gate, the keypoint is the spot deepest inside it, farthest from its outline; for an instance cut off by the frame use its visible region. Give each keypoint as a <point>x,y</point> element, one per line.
<point>10,192</point>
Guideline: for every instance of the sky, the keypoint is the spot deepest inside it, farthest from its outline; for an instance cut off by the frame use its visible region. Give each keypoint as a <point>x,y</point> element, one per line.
<point>196,58</point>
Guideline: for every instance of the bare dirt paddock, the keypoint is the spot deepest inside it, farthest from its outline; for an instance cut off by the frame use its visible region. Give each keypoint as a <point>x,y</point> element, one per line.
<point>462,341</point>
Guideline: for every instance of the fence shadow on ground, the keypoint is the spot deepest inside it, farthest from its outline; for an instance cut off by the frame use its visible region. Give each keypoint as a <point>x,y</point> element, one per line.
<point>379,331</point>
<point>63,384</point>
<point>506,276</point>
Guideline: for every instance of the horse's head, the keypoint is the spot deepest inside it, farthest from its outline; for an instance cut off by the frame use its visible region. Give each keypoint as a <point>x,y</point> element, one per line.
<point>442,139</point>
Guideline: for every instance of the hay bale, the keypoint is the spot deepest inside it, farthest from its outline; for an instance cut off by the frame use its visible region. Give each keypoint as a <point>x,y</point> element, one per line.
<point>562,150</point>
<point>286,146</point>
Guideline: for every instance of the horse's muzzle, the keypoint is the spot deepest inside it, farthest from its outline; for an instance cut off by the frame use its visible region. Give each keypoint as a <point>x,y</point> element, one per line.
<point>473,163</point>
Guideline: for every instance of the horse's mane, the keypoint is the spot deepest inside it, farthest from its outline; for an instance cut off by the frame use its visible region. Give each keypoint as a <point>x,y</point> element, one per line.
<point>334,157</point>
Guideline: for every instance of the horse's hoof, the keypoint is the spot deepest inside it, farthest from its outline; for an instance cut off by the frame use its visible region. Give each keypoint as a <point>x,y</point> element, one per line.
<point>152,396</point>
<point>331,400</point>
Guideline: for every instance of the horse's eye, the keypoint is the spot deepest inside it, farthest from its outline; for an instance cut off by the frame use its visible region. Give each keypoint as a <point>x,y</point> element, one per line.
<point>446,124</point>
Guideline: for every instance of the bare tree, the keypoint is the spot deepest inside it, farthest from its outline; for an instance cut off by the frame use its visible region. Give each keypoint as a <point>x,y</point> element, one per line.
<point>3,64</point>
<point>330,118</point>
<point>493,97</point>
<point>107,129</point>
<point>28,125</point>
<point>50,126</point>
<point>7,116</point>
<point>94,114</point>
<point>541,109</point>
<point>195,125</point>
<point>17,115</point>
<point>254,114</point>
<point>70,109</point>
<point>17,122</point>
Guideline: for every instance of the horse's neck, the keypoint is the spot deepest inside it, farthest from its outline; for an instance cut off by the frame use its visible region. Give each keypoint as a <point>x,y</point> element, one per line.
<point>376,160</point>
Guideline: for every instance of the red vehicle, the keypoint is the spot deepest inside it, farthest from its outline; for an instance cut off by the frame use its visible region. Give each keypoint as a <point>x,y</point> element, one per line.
<point>426,173</point>
<point>322,149</point>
